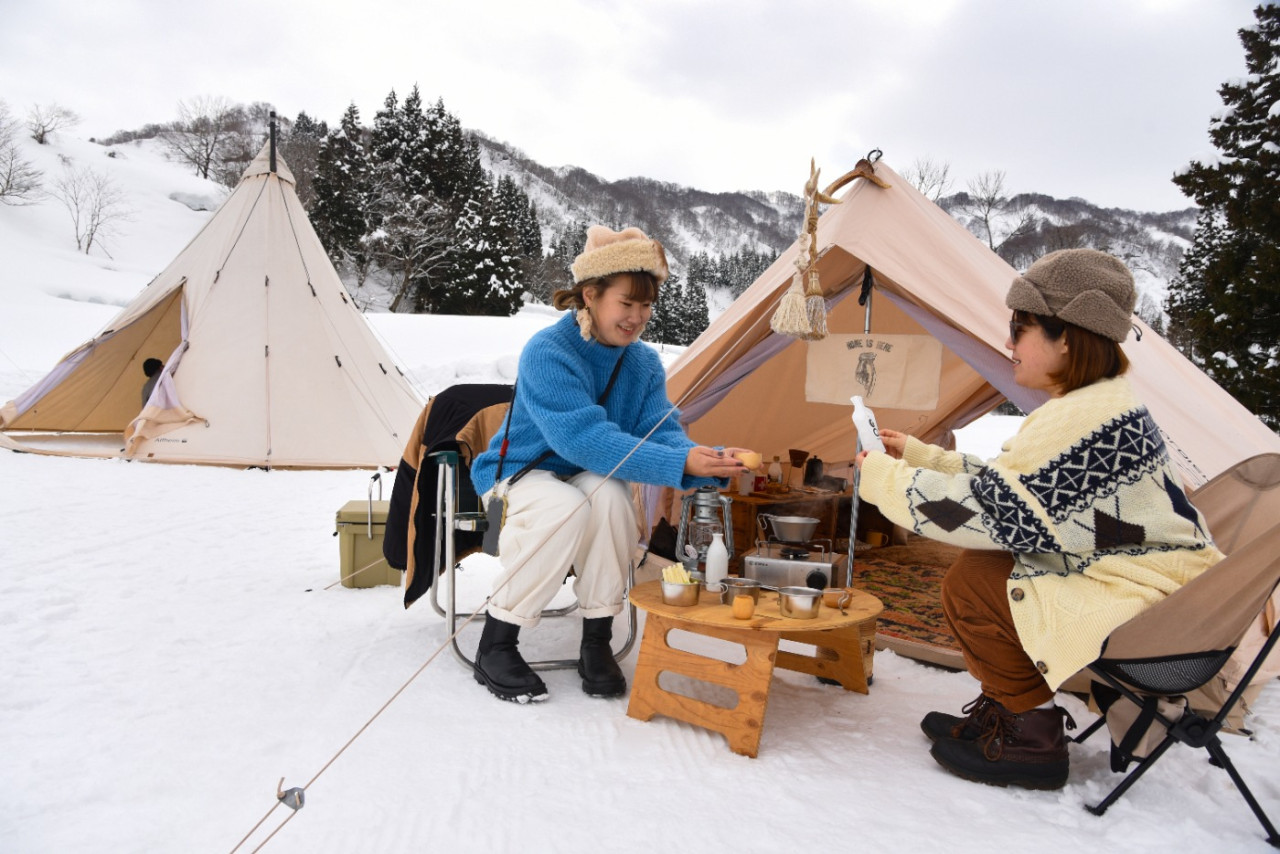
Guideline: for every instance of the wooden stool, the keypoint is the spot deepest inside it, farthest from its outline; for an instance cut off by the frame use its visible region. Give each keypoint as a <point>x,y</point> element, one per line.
<point>844,645</point>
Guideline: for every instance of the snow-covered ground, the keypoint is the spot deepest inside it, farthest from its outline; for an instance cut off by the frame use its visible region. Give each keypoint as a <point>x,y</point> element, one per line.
<point>175,643</point>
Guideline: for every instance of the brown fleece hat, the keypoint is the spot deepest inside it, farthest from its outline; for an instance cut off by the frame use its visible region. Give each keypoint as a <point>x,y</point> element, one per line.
<point>627,251</point>
<point>1088,288</point>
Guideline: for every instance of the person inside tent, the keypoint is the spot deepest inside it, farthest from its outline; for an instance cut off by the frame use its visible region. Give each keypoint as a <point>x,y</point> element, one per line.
<point>152,368</point>
<point>590,413</point>
<point>1077,526</point>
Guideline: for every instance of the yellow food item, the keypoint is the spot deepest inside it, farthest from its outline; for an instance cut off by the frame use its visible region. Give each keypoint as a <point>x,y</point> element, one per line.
<point>750,459</point>
<point>743,607</point>
<point>675,574</point>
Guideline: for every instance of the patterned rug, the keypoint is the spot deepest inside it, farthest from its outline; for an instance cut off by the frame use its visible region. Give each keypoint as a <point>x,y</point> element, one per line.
<point>908,580</point>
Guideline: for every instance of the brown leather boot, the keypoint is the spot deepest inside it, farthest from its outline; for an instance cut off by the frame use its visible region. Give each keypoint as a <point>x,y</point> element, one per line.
<point>1027,750</point>
<point>938,725</point>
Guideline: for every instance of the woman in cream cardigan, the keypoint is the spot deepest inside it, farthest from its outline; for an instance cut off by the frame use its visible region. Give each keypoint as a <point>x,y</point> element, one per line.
<point>1078,525</point>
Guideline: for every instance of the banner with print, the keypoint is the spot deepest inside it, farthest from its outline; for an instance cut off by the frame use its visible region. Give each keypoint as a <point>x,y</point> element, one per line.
<point>888,371</point>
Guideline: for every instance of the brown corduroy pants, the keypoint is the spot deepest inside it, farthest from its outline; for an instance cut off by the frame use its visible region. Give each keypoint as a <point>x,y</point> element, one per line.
<point>976,604</point>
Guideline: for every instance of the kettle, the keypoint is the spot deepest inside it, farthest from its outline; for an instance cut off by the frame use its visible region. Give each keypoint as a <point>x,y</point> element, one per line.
<point>813,471</point>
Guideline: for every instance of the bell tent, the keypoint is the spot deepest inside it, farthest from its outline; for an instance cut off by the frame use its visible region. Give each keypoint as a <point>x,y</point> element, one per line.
<point>917,325</point>
<point>267,360</point>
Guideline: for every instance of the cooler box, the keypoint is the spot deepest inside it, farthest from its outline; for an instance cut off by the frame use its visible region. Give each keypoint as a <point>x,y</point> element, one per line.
<point>361,525</point>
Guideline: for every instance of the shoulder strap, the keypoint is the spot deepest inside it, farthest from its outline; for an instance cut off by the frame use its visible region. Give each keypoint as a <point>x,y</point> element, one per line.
<point>543,457</point>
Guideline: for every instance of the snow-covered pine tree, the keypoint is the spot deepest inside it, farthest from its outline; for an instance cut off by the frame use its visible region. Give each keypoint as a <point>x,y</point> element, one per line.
<point>414,160</point>
<point>340,210</point>
<point>1224,304</point>
<point>299,146</point>
<point>695,316</point>
<point>664,323</point>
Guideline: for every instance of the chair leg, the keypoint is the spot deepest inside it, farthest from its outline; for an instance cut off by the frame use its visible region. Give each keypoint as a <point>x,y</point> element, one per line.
<point>1137,772</point>
<point>1218,753</point>
<point>1090,730</point>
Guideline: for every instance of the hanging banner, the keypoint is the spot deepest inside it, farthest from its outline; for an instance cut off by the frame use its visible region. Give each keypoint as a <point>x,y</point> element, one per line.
<point>888,371</point>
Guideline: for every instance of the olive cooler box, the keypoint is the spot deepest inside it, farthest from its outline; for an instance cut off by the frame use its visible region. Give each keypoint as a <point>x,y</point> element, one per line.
<point>360,528</point>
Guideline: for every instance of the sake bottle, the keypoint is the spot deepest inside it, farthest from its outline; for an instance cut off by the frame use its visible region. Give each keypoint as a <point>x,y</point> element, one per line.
<point>865,422</point>
<point>717,561</point>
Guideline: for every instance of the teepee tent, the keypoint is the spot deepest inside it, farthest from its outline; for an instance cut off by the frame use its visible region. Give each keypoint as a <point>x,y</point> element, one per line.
<point>934,359</point>
<point>267,360</point>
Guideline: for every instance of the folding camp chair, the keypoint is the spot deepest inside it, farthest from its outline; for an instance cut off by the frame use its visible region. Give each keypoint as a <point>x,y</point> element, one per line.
<point>1182,642</point>
<point>439,514</point>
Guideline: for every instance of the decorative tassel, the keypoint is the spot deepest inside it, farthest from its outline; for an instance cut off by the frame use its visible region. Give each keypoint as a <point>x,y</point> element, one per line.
<point>791,317</point>
<point>816,307</point>
<point>585,327</point>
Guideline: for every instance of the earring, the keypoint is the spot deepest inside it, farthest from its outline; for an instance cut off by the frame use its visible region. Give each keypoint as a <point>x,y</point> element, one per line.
<point>584,324</point>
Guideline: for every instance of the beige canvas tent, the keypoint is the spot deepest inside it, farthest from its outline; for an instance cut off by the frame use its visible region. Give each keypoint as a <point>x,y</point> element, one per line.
<point>268,362</point>
<point>935,358</point>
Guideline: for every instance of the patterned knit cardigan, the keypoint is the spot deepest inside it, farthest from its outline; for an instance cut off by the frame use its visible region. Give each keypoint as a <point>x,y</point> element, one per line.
<point>1086,498</point>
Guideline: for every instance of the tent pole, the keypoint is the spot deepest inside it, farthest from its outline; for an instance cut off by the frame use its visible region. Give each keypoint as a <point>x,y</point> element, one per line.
<point>857,475</point>
<point>273,142</point>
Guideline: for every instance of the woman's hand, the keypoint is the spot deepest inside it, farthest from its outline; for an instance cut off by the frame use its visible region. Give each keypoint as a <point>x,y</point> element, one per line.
<point>709,462</point>
<point>894,443</point>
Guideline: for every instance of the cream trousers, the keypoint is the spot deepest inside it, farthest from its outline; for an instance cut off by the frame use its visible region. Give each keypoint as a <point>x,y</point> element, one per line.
<point>597,538</point>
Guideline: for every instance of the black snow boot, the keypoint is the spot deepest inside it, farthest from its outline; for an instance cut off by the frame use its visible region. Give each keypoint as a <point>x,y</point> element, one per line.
<point>500,668</point>
<point>938,725</point>
<point>1027,750</point>
<point>601,676</point>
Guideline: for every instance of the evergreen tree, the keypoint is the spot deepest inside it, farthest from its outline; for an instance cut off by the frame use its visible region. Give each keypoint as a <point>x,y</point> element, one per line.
<point>299,146</point>
<point>1224,304</point>
<point>679,314</point>
<point>554,271</point>
<point>695,317</point>
<point>341,188</point>
<point>413,160</point>
<point>664,323</point>
<point>385,140</point>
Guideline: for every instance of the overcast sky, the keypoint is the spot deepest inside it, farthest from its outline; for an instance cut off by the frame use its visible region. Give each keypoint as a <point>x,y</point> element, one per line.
<point>1101,99</point>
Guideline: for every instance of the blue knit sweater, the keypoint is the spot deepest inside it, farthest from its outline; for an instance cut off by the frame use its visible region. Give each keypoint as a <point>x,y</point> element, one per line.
<point>560,379</point>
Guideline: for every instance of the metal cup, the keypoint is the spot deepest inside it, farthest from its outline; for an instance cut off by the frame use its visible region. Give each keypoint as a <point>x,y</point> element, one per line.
<point>799,603</point>
<point>733,586</point>
<point>678,593</point>
<point>836,597</point>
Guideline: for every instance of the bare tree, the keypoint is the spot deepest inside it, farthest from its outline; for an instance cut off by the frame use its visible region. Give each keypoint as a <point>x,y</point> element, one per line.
<point>411,240</point>
<point>206,126</point>
<point>44,120</point>
<point>96,205</point>
<point>930,177</point>
<point>19,180</point>
<point>994,216</point>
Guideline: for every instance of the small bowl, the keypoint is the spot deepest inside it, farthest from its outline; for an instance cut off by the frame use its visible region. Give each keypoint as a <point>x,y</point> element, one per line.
<point>734,586</point>
<point>799,603</point>
<point>677,593</point>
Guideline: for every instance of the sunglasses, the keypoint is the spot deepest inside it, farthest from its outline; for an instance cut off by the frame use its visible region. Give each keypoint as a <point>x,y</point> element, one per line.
<point>1016,328</point>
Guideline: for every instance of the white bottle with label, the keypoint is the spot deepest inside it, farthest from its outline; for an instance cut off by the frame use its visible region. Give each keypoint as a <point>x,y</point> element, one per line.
<point>717,561</point>
<point>865,421</point>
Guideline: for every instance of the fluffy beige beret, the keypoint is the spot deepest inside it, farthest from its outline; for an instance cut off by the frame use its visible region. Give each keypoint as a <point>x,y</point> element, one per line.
<point>627,251</point>
<point>1086,287</point>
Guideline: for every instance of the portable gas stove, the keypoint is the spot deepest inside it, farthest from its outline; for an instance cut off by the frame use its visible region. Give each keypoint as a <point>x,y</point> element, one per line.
<point>813,564</point>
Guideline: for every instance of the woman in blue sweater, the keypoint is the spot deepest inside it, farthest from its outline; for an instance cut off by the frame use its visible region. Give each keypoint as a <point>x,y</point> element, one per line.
<point>590,398</point>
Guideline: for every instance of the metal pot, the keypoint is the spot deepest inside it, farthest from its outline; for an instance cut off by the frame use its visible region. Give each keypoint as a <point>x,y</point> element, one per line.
<point>799,603</point>
<point>789,529</point>
<point>734,586</point>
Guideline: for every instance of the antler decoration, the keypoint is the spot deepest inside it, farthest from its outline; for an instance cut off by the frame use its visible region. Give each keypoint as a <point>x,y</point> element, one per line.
<point>802,312</point>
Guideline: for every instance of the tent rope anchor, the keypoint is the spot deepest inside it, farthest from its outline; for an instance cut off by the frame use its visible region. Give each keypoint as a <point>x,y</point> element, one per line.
<point>294,798</point>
